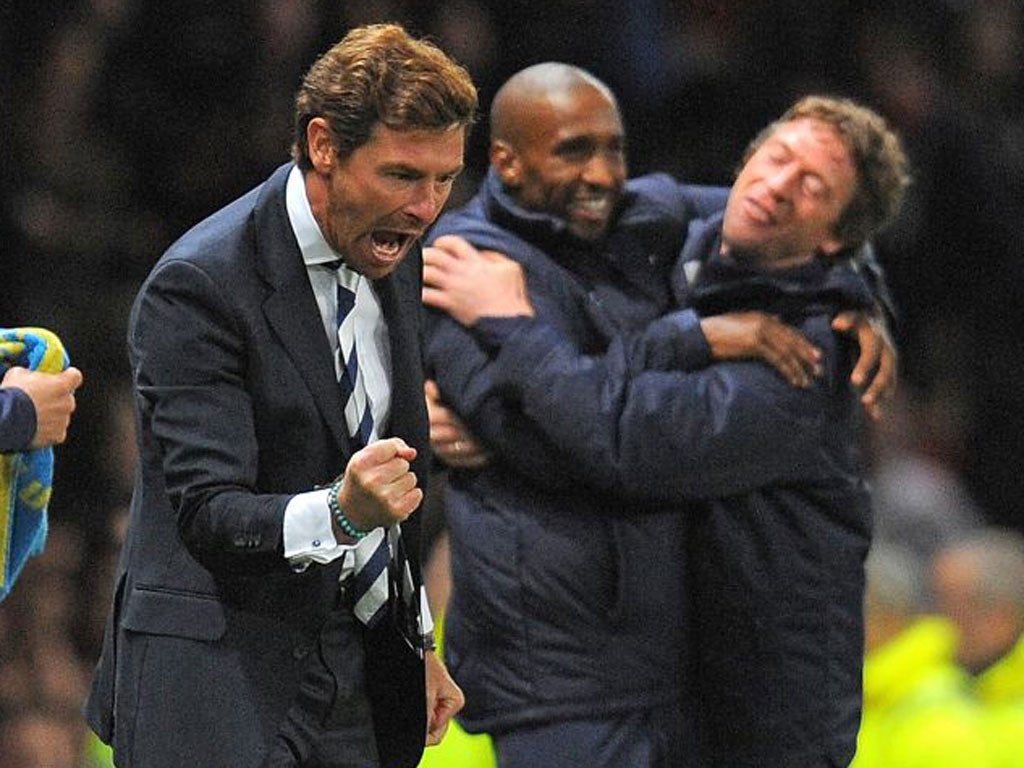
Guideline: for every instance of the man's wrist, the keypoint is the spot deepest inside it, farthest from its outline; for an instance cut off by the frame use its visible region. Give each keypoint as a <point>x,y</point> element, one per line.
<point>344,523</point>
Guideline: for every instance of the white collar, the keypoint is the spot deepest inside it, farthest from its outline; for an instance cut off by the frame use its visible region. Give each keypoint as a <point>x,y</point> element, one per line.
<point>314,247</point>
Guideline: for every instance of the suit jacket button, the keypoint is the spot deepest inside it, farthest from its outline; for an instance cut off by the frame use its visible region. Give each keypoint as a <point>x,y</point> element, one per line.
<point>299,652</point>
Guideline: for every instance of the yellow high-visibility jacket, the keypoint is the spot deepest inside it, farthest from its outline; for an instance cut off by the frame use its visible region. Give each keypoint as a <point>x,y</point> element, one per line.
<point>1000,689</point>
<point>918,708</point>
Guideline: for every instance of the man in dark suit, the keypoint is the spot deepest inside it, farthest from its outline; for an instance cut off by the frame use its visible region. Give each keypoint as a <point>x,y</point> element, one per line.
<point>263,615</point>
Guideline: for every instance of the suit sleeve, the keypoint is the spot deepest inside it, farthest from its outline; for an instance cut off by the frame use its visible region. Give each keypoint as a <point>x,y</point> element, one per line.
<point>684,201</point>
<point>189,365</point>
<point>663,435</point>
<point>705,201</point>
<point>17,420</point>
<point>465,374</point>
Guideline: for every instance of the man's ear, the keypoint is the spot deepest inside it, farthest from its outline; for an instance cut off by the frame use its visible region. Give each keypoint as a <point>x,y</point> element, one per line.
<point>506,162</point>
<point>321,145</point>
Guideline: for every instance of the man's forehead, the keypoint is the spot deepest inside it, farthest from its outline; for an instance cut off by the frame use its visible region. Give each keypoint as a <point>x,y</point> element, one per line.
<point>417,145</point>
<point>813,130</point>
<point>566,120</point>
<point>816,139</point>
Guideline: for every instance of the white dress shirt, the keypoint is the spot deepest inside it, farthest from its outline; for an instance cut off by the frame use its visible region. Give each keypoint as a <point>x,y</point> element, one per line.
<point>308,537</point>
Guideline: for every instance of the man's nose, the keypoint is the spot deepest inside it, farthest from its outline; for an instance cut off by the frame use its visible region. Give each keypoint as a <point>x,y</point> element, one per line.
<point>426,202</point>
<point>781,181</point>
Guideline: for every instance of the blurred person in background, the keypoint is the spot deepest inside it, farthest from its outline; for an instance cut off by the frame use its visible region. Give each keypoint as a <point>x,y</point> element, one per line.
<point>919,711</point>
<point>919,501</point>
<point>954,259</point>
<point>979,585</point>
<point>38,737</point>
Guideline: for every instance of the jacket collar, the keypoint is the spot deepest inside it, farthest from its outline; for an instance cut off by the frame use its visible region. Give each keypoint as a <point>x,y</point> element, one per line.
<point>548,233</point>
<point>712,282</point>
<point>537,227</point>
<point>1003,682</point>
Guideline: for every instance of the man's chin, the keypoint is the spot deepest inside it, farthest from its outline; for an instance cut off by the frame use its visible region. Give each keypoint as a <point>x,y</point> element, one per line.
<point>375,266</point>
<point>589,231</point>
<point>377,270</point>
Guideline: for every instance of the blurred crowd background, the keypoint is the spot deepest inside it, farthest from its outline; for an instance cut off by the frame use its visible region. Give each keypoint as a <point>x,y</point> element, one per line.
<point>124,122</point>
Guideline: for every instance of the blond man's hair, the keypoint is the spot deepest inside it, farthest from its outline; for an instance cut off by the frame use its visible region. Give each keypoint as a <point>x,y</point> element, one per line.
<point>878,157</point>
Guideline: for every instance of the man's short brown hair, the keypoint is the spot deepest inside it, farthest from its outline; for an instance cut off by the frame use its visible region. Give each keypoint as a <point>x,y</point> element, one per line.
<point>877,154</point>
<point>380,74</point>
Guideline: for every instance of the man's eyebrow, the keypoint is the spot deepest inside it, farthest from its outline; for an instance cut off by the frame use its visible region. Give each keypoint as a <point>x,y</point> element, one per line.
<point>418,171</point>
<point>398,165</point>
<point>574,143</point>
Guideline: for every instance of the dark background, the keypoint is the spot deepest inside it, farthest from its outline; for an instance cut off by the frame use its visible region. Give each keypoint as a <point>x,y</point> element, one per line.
<point>123,122</point>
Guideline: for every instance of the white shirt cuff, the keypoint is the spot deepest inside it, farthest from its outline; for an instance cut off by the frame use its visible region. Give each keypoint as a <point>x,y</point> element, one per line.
<point>308,537</point>
<point>426,619</point>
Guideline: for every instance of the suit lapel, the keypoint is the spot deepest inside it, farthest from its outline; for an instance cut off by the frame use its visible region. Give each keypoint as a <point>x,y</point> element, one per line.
<point>400,297</point>
<point>290,308</point>
<point>400,316</point>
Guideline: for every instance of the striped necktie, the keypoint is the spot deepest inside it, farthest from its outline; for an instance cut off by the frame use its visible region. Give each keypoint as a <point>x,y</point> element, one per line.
<point>380,569</point>
<point>358,411</point>
<point>368,589</point>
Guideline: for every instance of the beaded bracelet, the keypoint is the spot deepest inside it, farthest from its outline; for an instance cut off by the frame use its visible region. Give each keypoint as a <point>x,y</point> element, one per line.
<point>343,522</point>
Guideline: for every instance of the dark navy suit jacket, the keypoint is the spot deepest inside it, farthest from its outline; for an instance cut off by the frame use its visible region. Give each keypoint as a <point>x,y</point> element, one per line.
<point>237,409</point>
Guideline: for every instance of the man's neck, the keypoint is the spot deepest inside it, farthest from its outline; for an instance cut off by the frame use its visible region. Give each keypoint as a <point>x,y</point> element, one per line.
<point>754,259</point>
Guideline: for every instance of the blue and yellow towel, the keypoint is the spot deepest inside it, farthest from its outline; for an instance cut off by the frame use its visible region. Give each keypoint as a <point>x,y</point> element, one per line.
<point>26,479</point>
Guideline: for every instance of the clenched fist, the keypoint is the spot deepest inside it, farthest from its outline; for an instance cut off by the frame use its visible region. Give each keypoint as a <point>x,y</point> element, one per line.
<point>378,489</point>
